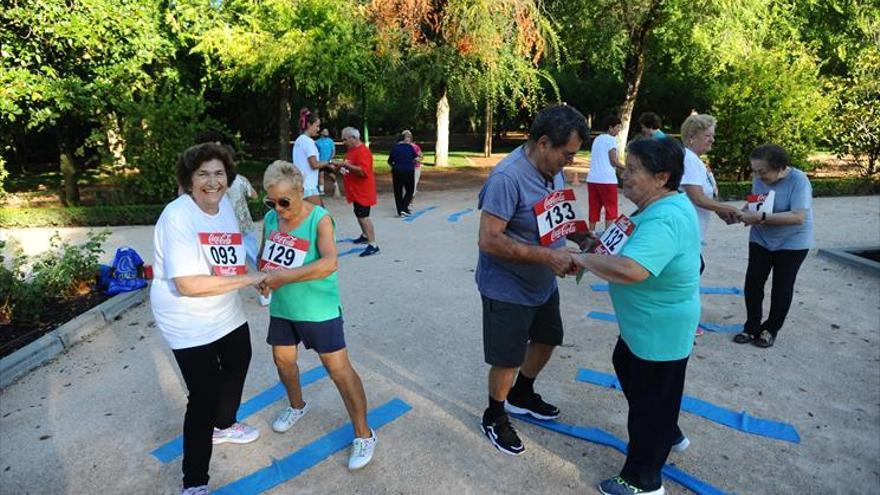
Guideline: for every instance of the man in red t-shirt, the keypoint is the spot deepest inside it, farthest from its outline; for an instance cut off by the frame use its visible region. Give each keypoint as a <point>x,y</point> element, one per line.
<point>360,186</point>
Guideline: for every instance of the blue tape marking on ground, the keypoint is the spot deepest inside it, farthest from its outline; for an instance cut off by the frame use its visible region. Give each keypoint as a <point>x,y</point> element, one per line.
<point>351,251</point>
<point>737,420</point>
<point>602,437</point>
<point>345,239</point>
<point>703,290</point>
<point>416,214</point>
<point>293,465</point>
<point>457,215</point>
<point>171,450</point>
<point>711,327</point>
<point>597,315</point>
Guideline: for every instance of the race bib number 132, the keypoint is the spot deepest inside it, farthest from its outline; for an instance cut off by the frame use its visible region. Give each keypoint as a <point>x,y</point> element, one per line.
<point>225,252</point>
<point>558,216</point>
<point>615,237</point>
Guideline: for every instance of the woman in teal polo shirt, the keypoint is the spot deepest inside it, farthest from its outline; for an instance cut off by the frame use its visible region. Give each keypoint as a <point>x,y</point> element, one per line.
<point>299,252</point>
<point>654,286</point>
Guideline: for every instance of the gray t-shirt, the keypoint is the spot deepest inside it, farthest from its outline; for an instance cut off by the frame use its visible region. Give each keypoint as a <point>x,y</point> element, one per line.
<point>793,192</point>
<point>510,193</point>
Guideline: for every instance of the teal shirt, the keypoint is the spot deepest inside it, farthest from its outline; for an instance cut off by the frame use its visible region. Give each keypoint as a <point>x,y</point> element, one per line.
<point>659,315</point>
<point>313,300</point>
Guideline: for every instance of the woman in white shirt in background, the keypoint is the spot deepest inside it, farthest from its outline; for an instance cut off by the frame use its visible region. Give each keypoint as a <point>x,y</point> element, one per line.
<point>698,134</point>
<point>199,267</point>
<point>305,156</point>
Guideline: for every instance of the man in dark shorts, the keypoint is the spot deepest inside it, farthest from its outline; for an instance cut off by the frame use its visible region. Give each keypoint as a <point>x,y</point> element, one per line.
<point>516,275</point>
<point>360,186</point>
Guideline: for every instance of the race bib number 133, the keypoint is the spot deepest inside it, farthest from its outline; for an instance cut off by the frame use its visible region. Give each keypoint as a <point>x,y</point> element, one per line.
<point>558,216</point>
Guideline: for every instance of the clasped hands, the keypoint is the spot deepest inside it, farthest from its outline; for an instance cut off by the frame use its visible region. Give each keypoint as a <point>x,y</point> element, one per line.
<point>268,281</point>
<point>567,260</point>
<point>741,216</point>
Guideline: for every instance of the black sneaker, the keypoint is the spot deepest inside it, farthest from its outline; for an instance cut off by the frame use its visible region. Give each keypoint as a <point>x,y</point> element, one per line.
<point>500,432</point>
<point>371,250</point>
<point>360,240</point>
<point>531,405</point>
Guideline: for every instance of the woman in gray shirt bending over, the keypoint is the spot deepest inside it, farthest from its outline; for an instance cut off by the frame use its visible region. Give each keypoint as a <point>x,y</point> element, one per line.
<point>781,216</point>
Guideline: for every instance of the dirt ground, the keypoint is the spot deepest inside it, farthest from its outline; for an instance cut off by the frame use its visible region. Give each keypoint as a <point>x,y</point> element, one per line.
<point>87,422</point>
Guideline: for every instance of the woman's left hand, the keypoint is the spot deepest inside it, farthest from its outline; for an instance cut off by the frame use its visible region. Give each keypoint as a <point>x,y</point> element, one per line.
<point>751,217</point>
<point>273,280</point>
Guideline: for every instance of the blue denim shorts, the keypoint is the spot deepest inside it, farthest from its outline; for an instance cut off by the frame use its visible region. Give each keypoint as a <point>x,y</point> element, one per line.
<point>322,336</point>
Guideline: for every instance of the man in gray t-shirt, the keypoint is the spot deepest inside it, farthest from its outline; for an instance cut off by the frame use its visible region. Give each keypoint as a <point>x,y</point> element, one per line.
<point>516,275</point>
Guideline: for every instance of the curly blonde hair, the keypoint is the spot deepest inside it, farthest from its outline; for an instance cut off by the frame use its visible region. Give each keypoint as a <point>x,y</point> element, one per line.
<point>695,124</point>
<point>278,171</point>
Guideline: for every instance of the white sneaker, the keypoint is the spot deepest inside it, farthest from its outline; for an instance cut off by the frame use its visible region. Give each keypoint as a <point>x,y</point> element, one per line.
<point>362,451</point>
<point>681,445</point>
<point>195,490</point>
<point>288,417</point>
<point>237,433</point>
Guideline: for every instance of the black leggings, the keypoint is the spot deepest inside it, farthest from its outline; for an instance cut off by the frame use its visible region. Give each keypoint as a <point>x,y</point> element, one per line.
<point>214,374</point>
<point>404,186</point>
<point>785,264</point>
<point>653,390</point>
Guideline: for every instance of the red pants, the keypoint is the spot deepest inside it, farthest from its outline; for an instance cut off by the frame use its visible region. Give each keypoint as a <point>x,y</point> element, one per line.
<point>602,196</point>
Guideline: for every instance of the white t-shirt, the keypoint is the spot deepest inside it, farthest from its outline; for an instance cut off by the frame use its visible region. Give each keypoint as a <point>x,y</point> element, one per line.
<point>601,170</point>
<point>190,321</point>
<point>303,148</point>
<point>696,174</point>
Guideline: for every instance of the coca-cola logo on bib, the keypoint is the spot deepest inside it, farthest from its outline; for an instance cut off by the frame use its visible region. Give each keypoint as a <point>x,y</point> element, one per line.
<point>562,231</point>
<point>553,198</point>
<point>284,240</point>
<point>220,239</point>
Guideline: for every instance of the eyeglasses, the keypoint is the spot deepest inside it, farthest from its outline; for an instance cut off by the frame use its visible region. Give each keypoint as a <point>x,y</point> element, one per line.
<point>282,202</point>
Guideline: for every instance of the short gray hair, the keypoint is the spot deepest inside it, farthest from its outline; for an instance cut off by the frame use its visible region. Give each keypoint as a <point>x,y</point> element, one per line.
<point>695,124</point>
<point>278,171</point>
<point>351,131</point>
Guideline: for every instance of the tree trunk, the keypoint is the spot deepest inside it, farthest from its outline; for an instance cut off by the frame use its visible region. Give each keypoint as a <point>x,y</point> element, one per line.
<point>70,193</point>
<point>115,140</point>
<point>441,152</point>
<point>634,67</point>
<point>487,142</point>
<point>284,152</point>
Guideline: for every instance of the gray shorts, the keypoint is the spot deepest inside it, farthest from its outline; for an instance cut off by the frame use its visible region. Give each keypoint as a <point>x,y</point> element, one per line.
<point>508,328</point>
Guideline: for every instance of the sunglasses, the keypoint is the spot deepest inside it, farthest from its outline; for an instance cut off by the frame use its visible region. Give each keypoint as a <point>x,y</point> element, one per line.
<point>282,202</point>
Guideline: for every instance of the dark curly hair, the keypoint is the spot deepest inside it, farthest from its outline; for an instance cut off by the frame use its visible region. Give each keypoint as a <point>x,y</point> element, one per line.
<point>193,157</point>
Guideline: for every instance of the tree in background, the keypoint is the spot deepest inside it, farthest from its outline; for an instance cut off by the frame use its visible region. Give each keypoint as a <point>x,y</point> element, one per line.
<point>68,65</point>
<point>482,50</point>
<point>317,48</point>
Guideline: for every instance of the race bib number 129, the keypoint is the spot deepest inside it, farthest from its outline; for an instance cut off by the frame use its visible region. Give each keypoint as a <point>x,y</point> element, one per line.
<point>558,216</point>
<point>225,252</point>
<point>283,252</point>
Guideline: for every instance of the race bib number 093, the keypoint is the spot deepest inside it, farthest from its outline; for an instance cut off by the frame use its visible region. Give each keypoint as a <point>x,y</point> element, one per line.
<point>283,252</point>
<point>225,252</point>
<point>558,216</point>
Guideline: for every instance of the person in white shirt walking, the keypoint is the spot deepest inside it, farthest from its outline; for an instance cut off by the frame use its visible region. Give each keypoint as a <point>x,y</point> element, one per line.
<point>602,179</point>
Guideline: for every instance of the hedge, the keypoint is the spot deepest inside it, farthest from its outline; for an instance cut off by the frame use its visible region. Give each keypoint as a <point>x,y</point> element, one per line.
<point>732,191</point>
<point>100,216</point>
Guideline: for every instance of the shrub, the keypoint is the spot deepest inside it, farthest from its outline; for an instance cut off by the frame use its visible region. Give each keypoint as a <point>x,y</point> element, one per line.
<point>94,216</point>
<point>855,135</point>
<point>732,191</point>
<point>62,272</point>
<point>771,96</point>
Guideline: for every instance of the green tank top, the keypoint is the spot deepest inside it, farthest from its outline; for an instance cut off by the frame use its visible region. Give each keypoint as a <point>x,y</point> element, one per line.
<point>313,300</point>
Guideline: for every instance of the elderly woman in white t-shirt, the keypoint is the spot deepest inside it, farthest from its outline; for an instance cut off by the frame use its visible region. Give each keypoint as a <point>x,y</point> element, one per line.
<point>199,267</point>
<point>698,134</point>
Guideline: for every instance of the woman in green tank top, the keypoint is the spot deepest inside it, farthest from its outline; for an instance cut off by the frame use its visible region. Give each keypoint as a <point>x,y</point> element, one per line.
<point>299,252</point>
